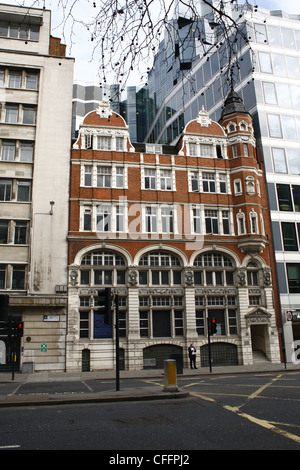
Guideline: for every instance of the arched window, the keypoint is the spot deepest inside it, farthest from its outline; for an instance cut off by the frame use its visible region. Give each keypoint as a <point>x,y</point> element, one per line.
<point>213,270</point>
<point>252,274</point>
<point>241,225</point>
<point>161,309</point>
<point>160,268</point>
<point>102,268</point>
<point>98,269</point>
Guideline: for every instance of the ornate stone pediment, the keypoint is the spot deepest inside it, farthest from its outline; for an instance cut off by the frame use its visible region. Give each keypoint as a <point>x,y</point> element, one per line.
<point>203,118</point>
<point>258,316</point>
<point>104,110</point>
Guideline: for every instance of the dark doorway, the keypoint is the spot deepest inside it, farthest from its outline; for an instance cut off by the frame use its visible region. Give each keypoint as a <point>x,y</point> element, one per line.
<point>155,355</point>
<point>85,365</point>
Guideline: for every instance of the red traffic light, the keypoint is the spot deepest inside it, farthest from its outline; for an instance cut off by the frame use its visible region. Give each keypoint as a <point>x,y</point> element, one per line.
<point>213,326</point>
<point>20,328</point>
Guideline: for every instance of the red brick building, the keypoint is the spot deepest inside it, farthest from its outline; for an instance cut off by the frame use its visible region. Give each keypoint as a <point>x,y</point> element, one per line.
<point>180,234</point>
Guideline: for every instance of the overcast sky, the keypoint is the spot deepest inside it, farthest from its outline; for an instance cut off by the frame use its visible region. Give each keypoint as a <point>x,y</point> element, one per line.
<point>290,6</point>
<point>85,69</point>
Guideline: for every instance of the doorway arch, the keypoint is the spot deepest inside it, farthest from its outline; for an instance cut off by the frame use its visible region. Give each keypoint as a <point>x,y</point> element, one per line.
<point>259,339</point>
<point>222,354</point>
<point>85,360</point>
<point>154,356</point>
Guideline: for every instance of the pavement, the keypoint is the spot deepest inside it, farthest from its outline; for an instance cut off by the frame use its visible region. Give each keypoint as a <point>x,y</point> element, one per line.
<point>79,386</point>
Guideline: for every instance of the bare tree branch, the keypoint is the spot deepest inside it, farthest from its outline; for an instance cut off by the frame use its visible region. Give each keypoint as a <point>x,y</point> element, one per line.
<point>125,35</point>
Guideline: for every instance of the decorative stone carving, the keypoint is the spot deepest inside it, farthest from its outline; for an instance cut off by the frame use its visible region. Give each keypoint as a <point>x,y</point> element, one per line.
<point>241,276</point>
<point>267,277</point>
<point>133,277</point>
<point>104,110</point>
<point>250,185</point>
<point>258,316</point>
<point>216,291</point>
<point>189,278</point>
<point>161,290</point>
<point>73,277</point>
<point>203,118</point>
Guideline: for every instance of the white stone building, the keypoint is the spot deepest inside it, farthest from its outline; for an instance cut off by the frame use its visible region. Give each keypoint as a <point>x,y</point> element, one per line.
<point>35,133</point>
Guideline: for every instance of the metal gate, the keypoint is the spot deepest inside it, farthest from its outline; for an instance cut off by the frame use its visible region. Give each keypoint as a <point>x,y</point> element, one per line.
<point>154,356</point>
<point>222,354</point>
<point>85,360</point>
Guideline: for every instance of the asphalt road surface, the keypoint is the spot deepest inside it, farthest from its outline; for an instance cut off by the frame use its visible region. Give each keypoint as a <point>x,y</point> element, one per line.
<point>241,412</point>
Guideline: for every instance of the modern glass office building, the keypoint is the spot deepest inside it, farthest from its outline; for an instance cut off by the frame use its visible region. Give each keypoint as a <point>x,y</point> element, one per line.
<point>267,77</point>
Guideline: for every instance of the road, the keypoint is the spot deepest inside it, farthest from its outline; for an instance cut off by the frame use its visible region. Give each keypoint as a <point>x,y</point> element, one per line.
<point>245,411</point>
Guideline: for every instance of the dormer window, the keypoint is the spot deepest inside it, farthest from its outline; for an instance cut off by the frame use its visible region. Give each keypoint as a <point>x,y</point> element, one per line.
<point>219,151</point>
<point>201,150</point>
<point>119,143</point>
<point>88,141</point>
<point>104,142</point>
<point>207,150</point>
<point>193,150</point>
<point>243,126</point>
<point>231,127</point>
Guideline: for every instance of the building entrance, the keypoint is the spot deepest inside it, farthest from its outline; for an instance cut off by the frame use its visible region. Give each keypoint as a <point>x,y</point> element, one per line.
<point>155,355</point>
<point>259,338</point>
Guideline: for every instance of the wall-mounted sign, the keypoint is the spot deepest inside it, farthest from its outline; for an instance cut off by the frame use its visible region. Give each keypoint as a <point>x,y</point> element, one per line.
<point>51,318</point>
<point>289,315</point>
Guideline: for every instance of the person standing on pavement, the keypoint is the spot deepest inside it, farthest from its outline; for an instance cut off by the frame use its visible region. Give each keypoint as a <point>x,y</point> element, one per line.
<point>192,356</point>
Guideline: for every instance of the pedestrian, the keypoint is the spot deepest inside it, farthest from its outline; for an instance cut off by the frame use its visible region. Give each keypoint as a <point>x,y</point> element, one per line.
<point>192,356</point>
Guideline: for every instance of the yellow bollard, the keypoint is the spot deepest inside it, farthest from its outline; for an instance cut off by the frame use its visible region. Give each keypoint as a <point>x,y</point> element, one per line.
<point>170,376</point>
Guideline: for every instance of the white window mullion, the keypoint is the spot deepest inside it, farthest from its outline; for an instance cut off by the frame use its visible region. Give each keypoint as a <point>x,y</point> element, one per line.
<point>158,220</point>
<point>94,218</point>
<point>94,176</point>
<point>113,176</point>
<point>231,223</point>
<point>220,222</point>
<point>142,178</point>
<point>173,179</point>
<point>175,219</point>
<point>81,175</point>
<point>125,176</point>
<point>200,182</point>
<point>143,213</point>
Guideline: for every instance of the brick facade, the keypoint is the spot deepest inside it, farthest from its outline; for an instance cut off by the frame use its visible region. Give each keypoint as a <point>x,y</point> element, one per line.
<point>180,234</point>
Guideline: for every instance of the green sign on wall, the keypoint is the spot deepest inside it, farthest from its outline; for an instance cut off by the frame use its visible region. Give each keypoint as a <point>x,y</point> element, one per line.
<point>44,347</point>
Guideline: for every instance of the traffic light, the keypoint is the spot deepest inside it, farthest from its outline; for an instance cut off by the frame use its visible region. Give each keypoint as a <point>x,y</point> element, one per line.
<point>11,328</point>
<point>19,329</point>
<point>213,326</point>
<point>104,304</point>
